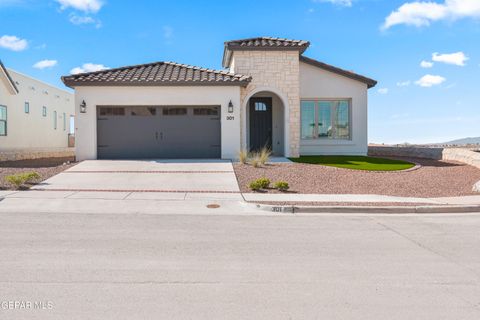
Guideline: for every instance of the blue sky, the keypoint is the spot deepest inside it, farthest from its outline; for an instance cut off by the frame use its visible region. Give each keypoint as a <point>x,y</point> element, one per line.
<point>385,40</point>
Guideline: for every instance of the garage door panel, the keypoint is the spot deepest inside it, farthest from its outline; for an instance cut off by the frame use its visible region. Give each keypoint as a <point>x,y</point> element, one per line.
<point>159,135</point>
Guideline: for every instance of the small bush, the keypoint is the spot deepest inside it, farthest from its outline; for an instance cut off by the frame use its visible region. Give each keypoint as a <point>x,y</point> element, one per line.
<point>255,185</point>
<point>264,155</point>
<point>243,156</point>
<point>19,180</point>
<point>255,161</point>
<point>281,186</point>
<point>264,182</point>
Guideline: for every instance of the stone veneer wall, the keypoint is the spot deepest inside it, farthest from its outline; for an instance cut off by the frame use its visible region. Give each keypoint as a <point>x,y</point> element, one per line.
<point>278,70</point>
<point>456,154</point>
<point>30,154</point>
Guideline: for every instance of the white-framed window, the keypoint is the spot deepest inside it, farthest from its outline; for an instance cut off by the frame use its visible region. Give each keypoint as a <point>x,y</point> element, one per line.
<point>326,119</point>
<point>55,120</point>
<point>3,120</point>
<point>26,107</point>
<point>44,111</point>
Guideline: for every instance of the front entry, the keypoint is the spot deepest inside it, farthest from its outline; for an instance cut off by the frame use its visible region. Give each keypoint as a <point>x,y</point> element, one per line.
<point>260,123</point>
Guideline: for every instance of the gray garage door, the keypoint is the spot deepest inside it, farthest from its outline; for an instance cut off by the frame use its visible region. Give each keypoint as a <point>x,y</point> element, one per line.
<point>158,132</point>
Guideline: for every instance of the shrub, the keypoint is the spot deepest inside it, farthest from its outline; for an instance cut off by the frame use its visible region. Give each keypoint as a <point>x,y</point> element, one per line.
<point>264,155</point>
<point>255,185</point>
<point>243,156</point>
<point>264,182</point>
<point>18,180</point>
<point>255,161</point>
<point>281,186</point>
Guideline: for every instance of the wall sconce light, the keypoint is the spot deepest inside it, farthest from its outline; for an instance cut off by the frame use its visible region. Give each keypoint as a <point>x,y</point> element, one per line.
<point>83,107</point>
<point>230,107</point>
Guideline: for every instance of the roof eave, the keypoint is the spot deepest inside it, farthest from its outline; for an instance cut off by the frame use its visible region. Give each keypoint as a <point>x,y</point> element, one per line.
<point>9,78</point>
<point>73,84</point>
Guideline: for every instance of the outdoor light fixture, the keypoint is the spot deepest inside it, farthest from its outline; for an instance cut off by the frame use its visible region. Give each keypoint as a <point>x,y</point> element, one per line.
<point>83,107</point>
<point>230,107</point>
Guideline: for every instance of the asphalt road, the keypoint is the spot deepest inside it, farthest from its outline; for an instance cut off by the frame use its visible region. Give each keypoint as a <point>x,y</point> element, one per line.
<point>76,266</point>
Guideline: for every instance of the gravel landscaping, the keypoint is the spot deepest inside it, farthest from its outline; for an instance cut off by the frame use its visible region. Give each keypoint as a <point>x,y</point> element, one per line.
<point>433,179</point>
<point>46,168</point>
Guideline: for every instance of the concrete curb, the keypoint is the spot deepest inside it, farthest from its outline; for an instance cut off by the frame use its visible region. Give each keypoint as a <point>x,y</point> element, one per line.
<point>371,209</point>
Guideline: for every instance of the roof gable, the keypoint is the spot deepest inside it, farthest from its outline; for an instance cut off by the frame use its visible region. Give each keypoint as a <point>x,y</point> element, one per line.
<point>7,79</point>
<point>349,74</point>
<point>156,74</point>
<point>262,43</point>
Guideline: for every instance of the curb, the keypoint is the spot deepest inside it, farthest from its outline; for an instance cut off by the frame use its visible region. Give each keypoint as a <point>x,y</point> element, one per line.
<point>371,209</point>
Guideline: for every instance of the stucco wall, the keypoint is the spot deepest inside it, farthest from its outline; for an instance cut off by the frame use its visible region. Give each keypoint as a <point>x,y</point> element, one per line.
<point>319,83</point>
<point>32,130</point>
<point>86,123</point>
<point>277,72</point>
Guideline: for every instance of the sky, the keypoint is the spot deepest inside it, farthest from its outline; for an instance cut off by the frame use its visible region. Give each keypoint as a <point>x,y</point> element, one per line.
<point>424,55</point>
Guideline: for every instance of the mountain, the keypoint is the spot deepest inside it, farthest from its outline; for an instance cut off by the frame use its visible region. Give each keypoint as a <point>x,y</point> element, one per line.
<point>464,141</point>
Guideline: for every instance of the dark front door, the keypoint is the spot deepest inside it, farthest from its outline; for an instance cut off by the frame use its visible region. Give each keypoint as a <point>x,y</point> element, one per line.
<point>260,123</point>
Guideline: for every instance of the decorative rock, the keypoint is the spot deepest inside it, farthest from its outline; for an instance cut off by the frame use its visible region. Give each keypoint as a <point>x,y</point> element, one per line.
<point>476,187</point>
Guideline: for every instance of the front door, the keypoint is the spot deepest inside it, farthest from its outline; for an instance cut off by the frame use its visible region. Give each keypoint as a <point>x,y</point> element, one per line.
<point>260,123</point>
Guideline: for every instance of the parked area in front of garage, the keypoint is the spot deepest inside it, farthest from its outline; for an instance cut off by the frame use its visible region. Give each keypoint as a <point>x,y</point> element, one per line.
<point>142,132</point>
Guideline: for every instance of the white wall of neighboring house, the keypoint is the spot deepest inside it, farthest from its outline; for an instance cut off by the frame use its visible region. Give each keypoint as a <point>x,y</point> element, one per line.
<point>86,123</point>
<point>33,130</point>
<point>319,83</point>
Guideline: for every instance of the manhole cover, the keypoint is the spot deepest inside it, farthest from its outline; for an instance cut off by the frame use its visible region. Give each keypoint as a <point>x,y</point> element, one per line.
<point>213,206</point>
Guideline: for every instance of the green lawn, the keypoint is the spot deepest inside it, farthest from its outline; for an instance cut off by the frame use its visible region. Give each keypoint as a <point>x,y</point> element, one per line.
<point>356,162</point>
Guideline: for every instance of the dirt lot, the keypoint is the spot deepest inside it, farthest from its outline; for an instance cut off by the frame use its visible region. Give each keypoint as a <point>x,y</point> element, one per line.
<point>433,179</point>
<point>46,168</point>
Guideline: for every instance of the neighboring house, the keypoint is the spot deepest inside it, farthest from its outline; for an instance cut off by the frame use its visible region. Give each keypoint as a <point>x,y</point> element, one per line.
<point>271,95</point>
<point>34,116</point>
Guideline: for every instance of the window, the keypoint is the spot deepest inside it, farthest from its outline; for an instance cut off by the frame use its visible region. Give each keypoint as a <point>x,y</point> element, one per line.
<point>175,111</point>
<point>64,122</point>
<point>44,111</point>
<point>27,107</point>
<point>325,119</point>
<point>55,120</point>
<point>206,111</point>
<point>260,106</point>
<point>3,121</point>
<point>112,111</point>
<point>143,111</point>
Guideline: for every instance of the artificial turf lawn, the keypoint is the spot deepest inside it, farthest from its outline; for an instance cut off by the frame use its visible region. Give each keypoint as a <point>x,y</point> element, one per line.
<point>356,162</point>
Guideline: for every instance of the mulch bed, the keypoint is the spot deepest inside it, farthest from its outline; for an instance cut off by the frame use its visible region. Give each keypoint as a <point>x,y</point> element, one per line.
<point>46,168</point>
<point>433,179</point>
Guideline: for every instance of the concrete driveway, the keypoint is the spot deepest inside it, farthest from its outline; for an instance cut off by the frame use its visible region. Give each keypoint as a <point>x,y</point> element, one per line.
<point>157,176</point>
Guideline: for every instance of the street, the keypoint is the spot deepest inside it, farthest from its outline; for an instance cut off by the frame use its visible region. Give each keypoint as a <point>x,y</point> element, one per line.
<point>168,266</point>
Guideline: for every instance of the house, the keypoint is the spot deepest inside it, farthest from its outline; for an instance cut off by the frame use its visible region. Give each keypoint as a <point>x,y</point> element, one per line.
<point>34,118</point>
<point>270,95</point>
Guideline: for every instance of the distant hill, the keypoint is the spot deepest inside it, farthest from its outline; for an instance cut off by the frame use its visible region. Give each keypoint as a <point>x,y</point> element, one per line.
<point>464,141</point>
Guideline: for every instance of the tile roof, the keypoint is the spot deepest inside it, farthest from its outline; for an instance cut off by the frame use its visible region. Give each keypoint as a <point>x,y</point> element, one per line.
<point>267,42</point>
<point>262,43</point>
<point>156,74</point>
<point>349,74</point>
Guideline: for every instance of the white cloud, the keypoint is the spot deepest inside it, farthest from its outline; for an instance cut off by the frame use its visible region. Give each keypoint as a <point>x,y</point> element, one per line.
<point>343,3</point>
<point>404,83</point>
<point>45,64</point>
<point>383,90</point>
<point>79,20</point>
<point>13,43</point>
<point>426,64</point>
<point>88,67</point>
<point>422,13</point>
<point>167,32</point>
<point>429,80</point>
<point>92,6</point>
<point>457,58</point>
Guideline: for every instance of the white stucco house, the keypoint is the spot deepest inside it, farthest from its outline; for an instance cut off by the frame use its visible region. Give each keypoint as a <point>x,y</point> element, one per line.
<point>269,95</point>
<point>34,117</point>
